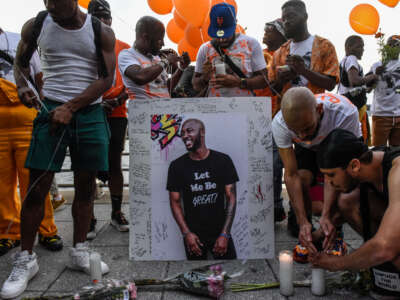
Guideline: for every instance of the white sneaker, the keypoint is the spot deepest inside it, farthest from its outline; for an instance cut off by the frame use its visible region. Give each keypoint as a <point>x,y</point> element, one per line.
<point>25,266</point>
<point>79,259</point>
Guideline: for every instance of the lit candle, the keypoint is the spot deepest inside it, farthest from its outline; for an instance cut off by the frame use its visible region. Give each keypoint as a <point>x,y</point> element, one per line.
<point>318,282</point>
<point>286,273</point>
<point>220,69</point>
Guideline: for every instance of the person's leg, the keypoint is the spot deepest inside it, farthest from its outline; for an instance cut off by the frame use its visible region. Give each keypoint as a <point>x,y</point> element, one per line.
<point>47,230</point>
<point>394,138</point>
<point>279,212</point>
<point>10,204</point>
<point>116,180</point>
<point>84,183</point>
<point>381,127</point>
<point>33,206</point>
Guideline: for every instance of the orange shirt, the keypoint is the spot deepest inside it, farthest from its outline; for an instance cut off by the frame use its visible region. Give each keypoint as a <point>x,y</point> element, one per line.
<point>323,60</point>
<point>118,87</point>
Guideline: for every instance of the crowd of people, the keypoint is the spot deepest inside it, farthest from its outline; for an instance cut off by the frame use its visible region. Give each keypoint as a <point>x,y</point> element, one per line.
<point>69,96</point>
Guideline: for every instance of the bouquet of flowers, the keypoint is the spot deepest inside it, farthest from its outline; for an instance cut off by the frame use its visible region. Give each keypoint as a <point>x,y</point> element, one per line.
<point>206,281</point>
<point>386,52</point>
<point>107,289</point>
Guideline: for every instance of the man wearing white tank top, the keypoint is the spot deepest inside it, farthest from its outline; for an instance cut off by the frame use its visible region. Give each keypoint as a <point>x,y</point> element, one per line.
<point>70,116</point>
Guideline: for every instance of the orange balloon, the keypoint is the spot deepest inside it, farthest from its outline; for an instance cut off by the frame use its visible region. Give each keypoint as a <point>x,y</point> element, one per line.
<point>84,3</point>
<point>364,19</point>
<point>193,12</point>
<point>195,36</point>
<point>174,32</point>
<point>240,29</point>
<point>204,29</point>
<point>390,3</point>
<point>161,7</point>
<point>185,46</point>
<point>231,2</point>
<point>179,21</point>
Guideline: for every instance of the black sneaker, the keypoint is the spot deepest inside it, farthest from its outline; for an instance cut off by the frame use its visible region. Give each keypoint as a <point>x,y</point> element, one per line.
<point>279,214</point>
<point>91,235</point>
<point>52,243</point>
<point>118,221</point>
<point>8,244</point>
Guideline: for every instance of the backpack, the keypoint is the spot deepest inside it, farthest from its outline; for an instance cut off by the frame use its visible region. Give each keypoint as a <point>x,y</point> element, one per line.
<point>37,28</point>
<point>359,97</point>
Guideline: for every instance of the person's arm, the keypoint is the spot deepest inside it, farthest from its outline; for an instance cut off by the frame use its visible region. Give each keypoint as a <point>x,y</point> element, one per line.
<point>192,241</point>
<point>203,69</point>
<point>295,191</point>
<point>383,247</point>
<point>21,74</point>
<point>330,196</point>
<point>142,76</point>
<point>221,244</point>
<point>185,62</point>
<point>323,81</point>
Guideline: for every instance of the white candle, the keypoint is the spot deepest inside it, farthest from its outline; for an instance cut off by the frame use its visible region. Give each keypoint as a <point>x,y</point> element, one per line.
<point>95,267</point>
<point>318,282</point>
<point>220,69</point>
<point>286,273</point>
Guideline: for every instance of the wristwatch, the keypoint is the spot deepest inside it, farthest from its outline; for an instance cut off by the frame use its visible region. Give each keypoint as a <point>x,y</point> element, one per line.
<point>243,83</point>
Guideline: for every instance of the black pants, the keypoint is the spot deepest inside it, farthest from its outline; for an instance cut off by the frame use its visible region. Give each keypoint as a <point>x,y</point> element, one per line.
<point>208,245</point>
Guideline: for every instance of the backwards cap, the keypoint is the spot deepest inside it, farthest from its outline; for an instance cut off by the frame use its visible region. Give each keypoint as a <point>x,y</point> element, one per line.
<point>339,148</point>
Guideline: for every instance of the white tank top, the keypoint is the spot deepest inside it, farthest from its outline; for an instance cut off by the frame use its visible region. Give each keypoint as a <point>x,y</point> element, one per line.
<point>68,59</point>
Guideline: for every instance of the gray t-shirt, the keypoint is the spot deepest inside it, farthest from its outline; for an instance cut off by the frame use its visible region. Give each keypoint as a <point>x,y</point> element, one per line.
<point>386,101</point>
<point>339,112</point>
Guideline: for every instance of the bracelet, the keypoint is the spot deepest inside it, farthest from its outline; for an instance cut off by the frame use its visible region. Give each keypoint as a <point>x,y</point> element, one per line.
<point>225,235</point>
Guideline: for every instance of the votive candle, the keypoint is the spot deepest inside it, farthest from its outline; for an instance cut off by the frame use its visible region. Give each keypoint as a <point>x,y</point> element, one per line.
<point>318,282</point>
<point>286,272</point>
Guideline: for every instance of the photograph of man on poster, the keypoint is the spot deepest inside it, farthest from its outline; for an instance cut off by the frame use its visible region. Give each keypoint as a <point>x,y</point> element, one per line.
<point>202,194</point>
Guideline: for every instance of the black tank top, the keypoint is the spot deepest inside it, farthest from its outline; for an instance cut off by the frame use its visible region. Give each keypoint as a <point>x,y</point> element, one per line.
<point>386,277</point>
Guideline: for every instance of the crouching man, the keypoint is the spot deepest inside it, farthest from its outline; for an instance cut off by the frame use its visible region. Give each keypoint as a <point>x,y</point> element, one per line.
<point>369,184</point>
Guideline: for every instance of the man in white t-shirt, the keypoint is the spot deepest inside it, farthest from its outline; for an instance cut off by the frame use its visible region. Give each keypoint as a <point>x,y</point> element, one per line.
<point>353,84</point>
<point>248,71</point>
<point>303,122</point>
<point>306,59</point>
<point>386,104</point>
<point>145,67</point>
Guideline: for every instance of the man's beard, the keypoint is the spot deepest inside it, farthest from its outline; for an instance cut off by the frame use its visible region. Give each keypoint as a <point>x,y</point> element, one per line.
<point>196,144</point>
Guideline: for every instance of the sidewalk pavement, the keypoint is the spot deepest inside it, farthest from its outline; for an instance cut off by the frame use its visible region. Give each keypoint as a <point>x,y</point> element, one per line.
<point>54,278</point>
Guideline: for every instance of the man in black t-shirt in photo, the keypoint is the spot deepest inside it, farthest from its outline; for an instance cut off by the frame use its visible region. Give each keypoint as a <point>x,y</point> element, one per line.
<point>206,182</point>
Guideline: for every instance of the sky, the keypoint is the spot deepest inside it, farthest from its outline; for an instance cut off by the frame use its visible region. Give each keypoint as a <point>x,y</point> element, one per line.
<point>326,18</point>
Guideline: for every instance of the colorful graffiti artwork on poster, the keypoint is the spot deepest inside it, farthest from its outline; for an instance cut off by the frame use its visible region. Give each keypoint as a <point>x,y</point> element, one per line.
<point>165,128</point>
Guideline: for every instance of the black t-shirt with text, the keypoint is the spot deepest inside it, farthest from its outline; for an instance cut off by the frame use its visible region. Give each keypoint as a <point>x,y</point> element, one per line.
<point>202,187</point>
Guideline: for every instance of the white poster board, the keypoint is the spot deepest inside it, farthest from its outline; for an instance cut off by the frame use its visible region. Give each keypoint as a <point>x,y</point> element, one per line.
<point>237,127</point>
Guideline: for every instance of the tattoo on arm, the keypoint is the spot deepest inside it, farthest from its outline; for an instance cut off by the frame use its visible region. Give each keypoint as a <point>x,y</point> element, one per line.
<point>231,207</point>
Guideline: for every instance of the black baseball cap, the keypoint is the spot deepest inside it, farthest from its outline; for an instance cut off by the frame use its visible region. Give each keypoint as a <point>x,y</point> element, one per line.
<point>99,8</point>
<point>339,148</point>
